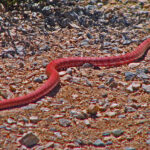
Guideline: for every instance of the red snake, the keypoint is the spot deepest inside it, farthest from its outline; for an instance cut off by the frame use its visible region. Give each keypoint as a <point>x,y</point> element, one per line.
<point>57,65</point>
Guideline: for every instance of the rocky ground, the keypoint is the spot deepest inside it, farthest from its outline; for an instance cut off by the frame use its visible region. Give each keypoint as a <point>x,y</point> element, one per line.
<point>92,108</point>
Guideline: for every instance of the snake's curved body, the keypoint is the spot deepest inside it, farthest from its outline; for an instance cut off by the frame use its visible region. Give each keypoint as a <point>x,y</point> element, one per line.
<point>56,65</point>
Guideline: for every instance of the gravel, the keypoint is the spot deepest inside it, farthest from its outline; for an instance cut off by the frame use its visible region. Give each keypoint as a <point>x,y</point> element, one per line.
<point>92,107</point>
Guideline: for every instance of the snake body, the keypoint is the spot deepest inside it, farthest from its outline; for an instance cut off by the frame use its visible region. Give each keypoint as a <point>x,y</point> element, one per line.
<point>55,66</point>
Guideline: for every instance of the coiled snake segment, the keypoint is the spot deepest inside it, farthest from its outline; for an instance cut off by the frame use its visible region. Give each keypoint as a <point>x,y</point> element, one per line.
<point>56,65</point>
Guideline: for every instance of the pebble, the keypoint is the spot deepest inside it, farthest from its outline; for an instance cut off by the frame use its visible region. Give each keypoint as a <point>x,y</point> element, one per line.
<point>44,48</point>
<point>92,109</point>
<point>78,114</point>
<point>143,76</point>
<point>121,116</point>
<point>34,119</point>
<point>87,122</point>
<point>69,71</point>
<point>148,142</point>
<point>109,138</point>
<point>44,109</point>
<point>110,114</point>
<point>58,134</point>
<point>20,50</point>
<point>67,77</point>
<point>126,42</point>
<point>8,53</point>
<point>84,43</point>
<point>38,79</point>
<point>117,132</point>
<point>134,86</point>
<point>11,121</point>
<point>46,10</point>
<point>107,133</point>
<point>109,143</point>
<point>146,88</point>
<point>129,76</point>
<point>129,109</point>
<point>114,105</point>
<point>65,122</point>
<point>99,143</point>
<point>2,8</point>
<point>145,70</point>
<point>79,142</point>
<point>29,140</point>
<point>29,107</point>
<point>89,35</point>
<point>134,65</point>
<point>49,145</point>
<point>130,148</point>
<point>86,65</point>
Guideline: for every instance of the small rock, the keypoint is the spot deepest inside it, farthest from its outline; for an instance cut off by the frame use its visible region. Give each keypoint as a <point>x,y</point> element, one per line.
<point>130,148</point>
<point>129,76</point>
<point>79,142</point>
<point>44,109</point>
<point>121,116</point>
<point>29,107</point>
<point>58,116</point>
<point>117,132</point>
<point>65,122</point>
<point>110,114</point>
<point>114,105</point>
<point>8,53</point>
<point>133,65</point>
<point>46,10</point>
<point>88,83</point>
<point>58,134</point>
<point>107,44</point>
<point>144,70</point>
<point>38,79</point>
<point>62,73</point>
<point>87,122</point>
<point>146,88</point>
<point>148,142</point>
<point>134,86</point>
<point>70,145</point>
<point>78,114</point>
<point>44,48</point>
<point>66,77</point>
<point>86,65</point>
<point>20,50</point>
<point>143,76</point>
<point>129,88</point>
<point>104,95</point>
<point>2,8</point>
<point>73,25</point>
<point>109,143</point>
<point>99,143</point>
<point>84,43</point>
<point>109,138</point>
<point>11,121</point>
<point>49,145</point>
<point>89,35</point>
<point>129,109</point>
<point>69,71</point>
<point>93,109</point>
<point>34,119</point>
<point>107,133</point>
<point>126,42</point>
<point>29,140</point>
<point>110,80</point>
